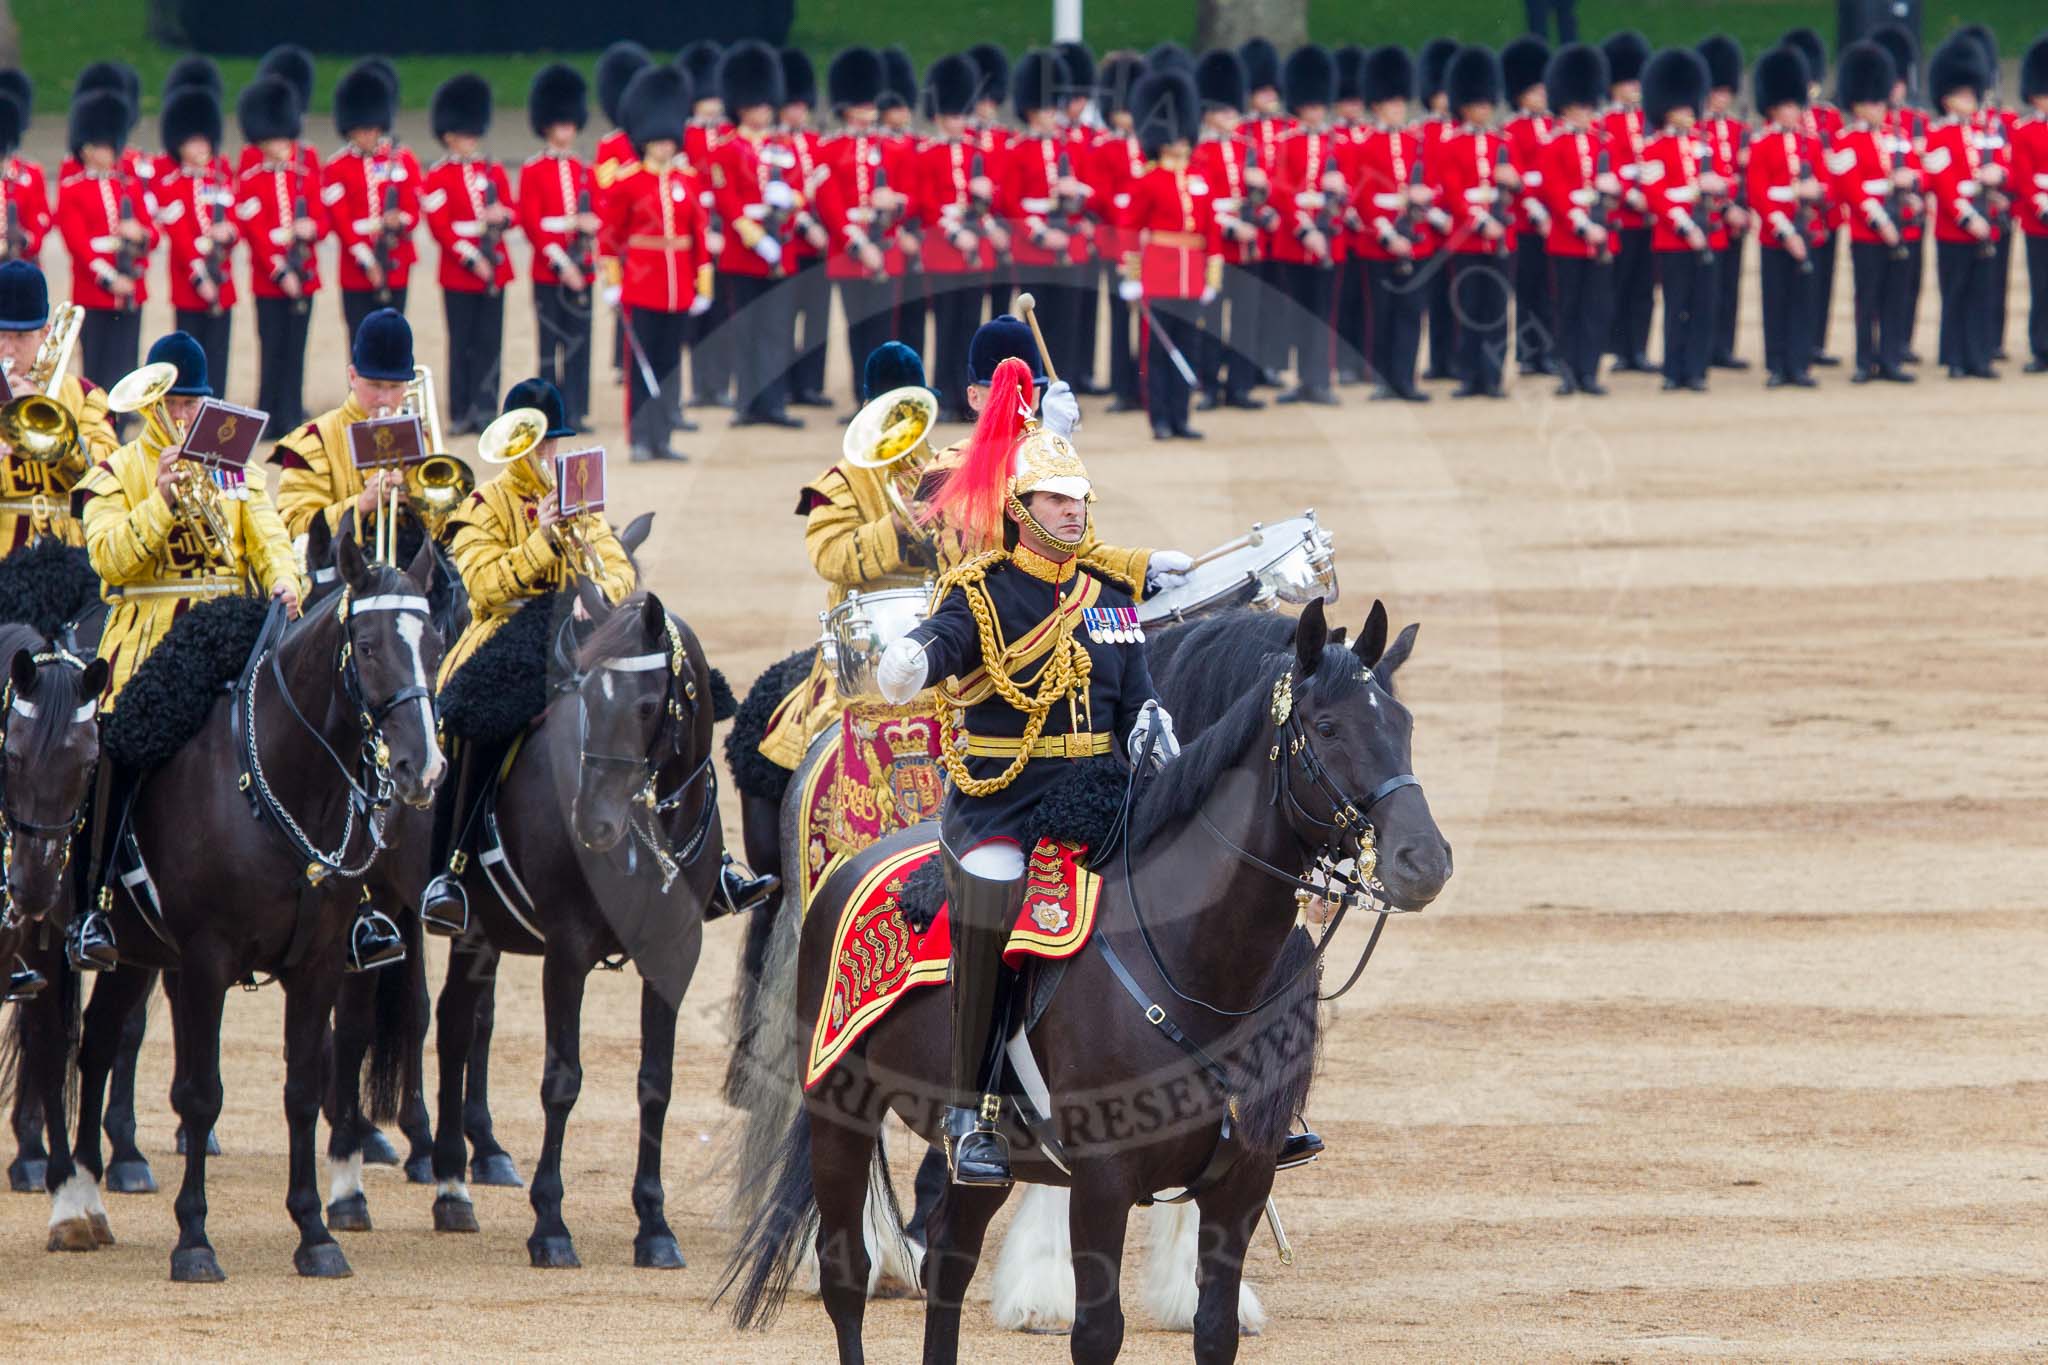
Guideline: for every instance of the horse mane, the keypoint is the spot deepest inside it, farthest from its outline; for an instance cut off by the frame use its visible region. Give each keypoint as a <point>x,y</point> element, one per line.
<point>55,701</point>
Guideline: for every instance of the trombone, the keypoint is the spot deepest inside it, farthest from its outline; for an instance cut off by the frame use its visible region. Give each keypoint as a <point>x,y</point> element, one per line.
<point>517,434</point>
<point>436,486</point>
<point>891,435</point>
<point>195,495</point>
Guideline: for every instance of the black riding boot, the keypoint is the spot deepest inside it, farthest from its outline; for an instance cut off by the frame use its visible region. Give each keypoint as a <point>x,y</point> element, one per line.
<point>23,983</point>
<point>444,905</point>
<point>89,938</point>
<point>374,940</point>
<point>739,891</point>
<point>981,913</point>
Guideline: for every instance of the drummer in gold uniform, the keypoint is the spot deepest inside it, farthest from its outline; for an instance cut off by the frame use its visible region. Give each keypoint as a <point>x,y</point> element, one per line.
<point>318,477</point>
<point>43,461</point>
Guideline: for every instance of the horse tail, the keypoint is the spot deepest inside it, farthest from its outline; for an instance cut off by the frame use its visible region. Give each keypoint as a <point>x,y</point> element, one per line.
<point>770,1249</point>
<point>761,1078</point>
<point>395,1023</point>
<point>15,1041</point>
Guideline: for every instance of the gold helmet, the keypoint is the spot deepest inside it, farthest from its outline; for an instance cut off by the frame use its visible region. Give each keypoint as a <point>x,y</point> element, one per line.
<point>1009,457</point>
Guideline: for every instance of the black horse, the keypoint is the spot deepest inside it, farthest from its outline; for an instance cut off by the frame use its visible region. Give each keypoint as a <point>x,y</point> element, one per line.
<point>609,830</point>
<point>1309,763</point>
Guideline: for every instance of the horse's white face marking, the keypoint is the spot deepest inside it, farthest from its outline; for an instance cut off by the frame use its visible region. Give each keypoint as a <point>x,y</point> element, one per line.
<point>604,684</point>
<point>412,628</point>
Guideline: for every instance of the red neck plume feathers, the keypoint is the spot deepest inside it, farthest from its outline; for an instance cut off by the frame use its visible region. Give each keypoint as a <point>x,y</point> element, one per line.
<point>970,501</point>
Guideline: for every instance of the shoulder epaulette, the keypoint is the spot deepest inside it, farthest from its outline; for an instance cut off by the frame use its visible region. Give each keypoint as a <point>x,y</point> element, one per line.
<point>1098,564</point>
<point>969,571</point>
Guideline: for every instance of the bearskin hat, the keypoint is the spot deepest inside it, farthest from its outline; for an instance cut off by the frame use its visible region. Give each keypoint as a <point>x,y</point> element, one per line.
<point>1781,78</point>
<point>2034,70</point>
<point>1904,51</point>
<point>899,77</point>
<point>10,125</point>
<point>1473,77</point>
<point>1723,56</point>
<point>1169,54</point>
<point>799,77</point>
<point>559,94</point>
<point>1219,79</point>
<point>616,67</point>
<point>293,65</point>
<point>1261,63</point>
<point>461,105</point>
<point>1522,63</point>
<point>656,104</point>
<point>1627,52</point>
<point>1576,75</point>
<point>1080,64</point>
<point>1987,43</point>
<point>1865,75</point>
<point>382,68</point>
<point>1809,45</point>
<point>189,111</point>
<point>1675,78</point>
<point>1957,64</point>
<point>749,75</point>
<point>1309,76</point>
<point>1114,80</point>
<point>699,62</point>
<point>100,116</point>
<point>268,108</point>
<point>991,72</point>
<point>118,77</point>
<point>17,89</point>
<point>1037,81</point>
<point>855,76</point>
<point>362,99</point>
<point>1389,74</point>
<point>1350,73</point>
<point>1166,109</point>
<point>194,70</point>
<point>949,85</point>
<point>1429,68</point>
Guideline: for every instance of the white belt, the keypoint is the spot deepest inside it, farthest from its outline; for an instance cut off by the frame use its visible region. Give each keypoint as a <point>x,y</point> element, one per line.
<point>48,504</point>
<point>191,587</point>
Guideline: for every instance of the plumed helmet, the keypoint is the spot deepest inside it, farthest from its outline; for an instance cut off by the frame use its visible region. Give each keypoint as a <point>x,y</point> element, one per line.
<point>616,66</point>
<point>558,94</point>
<point>1781,78</point>
<point>1627,53</point>
<point>1473,77</point>
<point>1577,75</point>
<point>1723,56</point>
<point>189,111</point>
<point>1675,78</point>
<point>1523,61</point>
<point>749,76</point>
<point>362,99</point>
<point>949,85</point>
<point>855,76</point>
<point>1865,75</point>
<point>1219,79</point>
<point>462,104</point>
<point>1309,76</point>
<point>267,109</point>
<point>1389,74</point>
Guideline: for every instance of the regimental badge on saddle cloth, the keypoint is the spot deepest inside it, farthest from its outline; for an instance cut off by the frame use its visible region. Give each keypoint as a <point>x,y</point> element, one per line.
<point>222,438</point>
<point>1112,625</point>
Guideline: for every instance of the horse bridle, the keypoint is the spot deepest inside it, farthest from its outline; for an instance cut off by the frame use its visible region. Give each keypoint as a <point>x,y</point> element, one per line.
<point>10,822</point>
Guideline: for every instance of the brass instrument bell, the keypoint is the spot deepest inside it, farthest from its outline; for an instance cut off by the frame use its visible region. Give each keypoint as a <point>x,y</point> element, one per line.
<point>892,433</point>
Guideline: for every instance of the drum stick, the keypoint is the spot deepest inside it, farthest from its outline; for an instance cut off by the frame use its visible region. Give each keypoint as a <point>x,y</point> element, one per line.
<point>1028,306</point>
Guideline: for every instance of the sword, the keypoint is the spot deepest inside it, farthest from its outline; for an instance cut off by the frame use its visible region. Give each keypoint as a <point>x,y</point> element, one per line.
<point>640,357</point>
<point>1280,1241</point>
<point>1180,362</point>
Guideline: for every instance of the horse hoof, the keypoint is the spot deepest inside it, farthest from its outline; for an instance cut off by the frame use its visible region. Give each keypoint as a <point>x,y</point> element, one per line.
<point>378,1151</point>
<point>351,1214</point>
<point>553,1253</point>
<point>25,1175</point>
<point>321,1261</point>
<point>419,1170</point>
<point>212,1143</point>
<point>454,1215</point>
<point>130,1177</point>
<point>196,1265</point>
<point>73,1234</point>
<point>495,1168</point>
<point>102,1230</point>
<point>659,1253</point>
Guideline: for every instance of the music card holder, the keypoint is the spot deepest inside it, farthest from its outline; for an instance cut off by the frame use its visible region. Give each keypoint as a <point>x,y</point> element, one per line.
<point>222,437</point>
<point>579,482</point>
<point>377,443</point>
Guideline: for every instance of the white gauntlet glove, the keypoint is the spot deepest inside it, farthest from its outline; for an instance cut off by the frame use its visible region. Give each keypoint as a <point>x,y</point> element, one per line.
<point>1167,746</point>
<point>700,305</point>
<point>1167,569</point>
<point>769,249</point>
<point>901,672</point>
<point>777,194</point>
<point>1130,291</point>
<point>1059,411</point>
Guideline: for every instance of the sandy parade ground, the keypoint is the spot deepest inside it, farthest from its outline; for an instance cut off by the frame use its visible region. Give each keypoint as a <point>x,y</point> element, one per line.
<point>1726,1040</point>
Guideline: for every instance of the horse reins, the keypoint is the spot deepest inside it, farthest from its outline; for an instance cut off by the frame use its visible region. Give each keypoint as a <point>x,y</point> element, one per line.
<point>10,822</point>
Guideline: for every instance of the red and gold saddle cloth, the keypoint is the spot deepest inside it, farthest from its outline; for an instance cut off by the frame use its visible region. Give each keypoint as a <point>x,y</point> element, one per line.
<point>879,958</point>
<point>882,776</point>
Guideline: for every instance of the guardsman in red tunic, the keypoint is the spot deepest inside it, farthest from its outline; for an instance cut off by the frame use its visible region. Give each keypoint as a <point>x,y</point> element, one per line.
<point>1727,139</point>
<point>293,65</point>
<point>557,212</point>
<point>990,142</point>
<point>1968,190</point>
<point>280,214</point>
<point>758,198</point>
<point>865,206</point>
<point>711,357</point>
<point>655,227</point>
<point>1229,365</point>
<point>117,78</point>
<point>1823,123</point>
<point>1874,183</point>
<point>1265,125</point>
<point>1116,160</point>
<point>1309,190</point>
<point>371,190</point>
<point>1579,189</point>
<point>1044,206</point>
<point>1078,133</point>
<point>1473,180</point>
<point>2030,196</point>
<point>470,210</point>
<point>1390,186</point>
<point>1678,190</point>
<point>23,193</point>
<point>105,217</point>
<point>1787,200</point>
<point>1528,128</point>
<point>1635,283</point>
<point>810,241</point>
<point>616,67</point>
<point>195,211</point>
<point>1172,263</point>
<point>957,252</point>
<point>1348,305</point>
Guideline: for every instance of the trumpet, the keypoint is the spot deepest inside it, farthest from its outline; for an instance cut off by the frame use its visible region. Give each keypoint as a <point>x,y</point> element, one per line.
<point>512,437</point>
<point>195,496</point>
<point>892,435</point>
<point>433,486</point>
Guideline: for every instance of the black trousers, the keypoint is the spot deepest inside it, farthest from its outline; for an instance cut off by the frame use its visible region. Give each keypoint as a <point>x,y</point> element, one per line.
<point>213,331</point>
<point>1823,291</point>
<point>1353,342</point>
<point>1276,333</point>
<point>1788,313</point>
<point>1227,368</point>
<point>1728,280</point>
<point>870,308</point>
<point>2002,288</point>
<point>1881,281</point>
<point>1585,307</point>
<point>711,345</point>
<point>1539,12</point>
<point>1166,388</point>
<point>1306,318</point>
<point>562,323</point>
<point>1443,322</point>
<point>1535,315</point>
<point>1690,292</point>
<point>1917,264</point>
<point>956,311</point>
<point>1968,279</point>
<point>1635,279</point>
<point>651,416</point>
<point>281,326</point>
<point>811,310</point>
<point>1087,326</point>
<point>1123,348</point>
<point>357,304</point>
<point>2037,296</point>
<point>759,339</point>
<point>1395,305</point>
<point>1479,299</point>
<point>476,339</point>
<point>110,344</point>
<point>913,307</point>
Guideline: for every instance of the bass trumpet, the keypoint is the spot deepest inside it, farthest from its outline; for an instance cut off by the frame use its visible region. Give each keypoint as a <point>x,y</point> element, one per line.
<point>891,435</point>
<point>436,486</point>
<point>195,495</point>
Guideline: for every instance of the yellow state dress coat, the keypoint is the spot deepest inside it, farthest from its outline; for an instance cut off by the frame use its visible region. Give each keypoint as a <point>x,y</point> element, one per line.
<point>27,488</point>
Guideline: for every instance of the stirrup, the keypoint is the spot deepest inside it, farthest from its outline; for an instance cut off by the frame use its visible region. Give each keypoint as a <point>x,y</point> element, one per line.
<point>89,945</point>
<point>444,907</point>
<point>976,1151</point>
<point>1298,1149</point>
<point>23,983</point>
<point>739,891</point>
<point>384,947</point>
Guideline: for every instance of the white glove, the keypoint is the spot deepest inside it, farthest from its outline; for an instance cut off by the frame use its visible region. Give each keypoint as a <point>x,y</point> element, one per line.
<point>1167,569</point>
<point>778,195</point>
<point>700,305</point>
<point>1059,411</point>
<point>612,294</point>
<point>901,672</point>
<point>769,249</point>
<point>1130,291</point>
<point>1208,297</point>
<point>1167,746</point>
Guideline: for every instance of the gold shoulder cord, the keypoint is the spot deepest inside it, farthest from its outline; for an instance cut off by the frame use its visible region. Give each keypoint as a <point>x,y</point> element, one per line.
<point>1066,672</point>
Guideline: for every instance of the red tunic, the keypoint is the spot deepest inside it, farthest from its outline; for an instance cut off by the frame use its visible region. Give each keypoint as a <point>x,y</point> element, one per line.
<point>654,225</point>
<point>1953,162</point>
<point>805,174</point>
<point>1624,130</point>
<point>1527,134</point>
<point>1669,174</point>
<point>89,209</point>
<point>353,187</point>
<point>1026,202</point>
<point>941,171</point>
<point>742,168</point>
<point>1462,171</point>
<point>551,186</point>
<point>1171,226</point>
<point>1115,161</point>
<point>1220,164</point>
<point>269,196</point>
<point>1306,156</point>
<point>1570,163</point>
<point>453,201</point>
<point>1388,165</point>
<point>188,206</point>
<point>29,198</point>
<point>1777,158</point>
<point>856,165</point>
<point>1859,173</point>
<point>2030,174</point>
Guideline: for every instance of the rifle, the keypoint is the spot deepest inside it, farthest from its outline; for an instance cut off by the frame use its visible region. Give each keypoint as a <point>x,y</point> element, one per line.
<point>1258,212</point>
<point>1407,222</point>
<point>899,222</point>
<point>984,211</point>
<point>1711,205</point>
<point>1074,210</point>
<point>492,240</point>
<point>583,251</point>
<point>385,252</point>
<point>1502,210</point>
<point>1802,217</point>
<point>212,259</point>
<point>17,240</point>
<point>1997,207</point>
<point>298,257</point>
<point>773,224</point>
<point>1602,210</point>
<point>131,258</point>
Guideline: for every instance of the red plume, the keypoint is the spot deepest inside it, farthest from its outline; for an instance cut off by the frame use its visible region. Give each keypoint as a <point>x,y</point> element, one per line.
<point>970,501</point>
